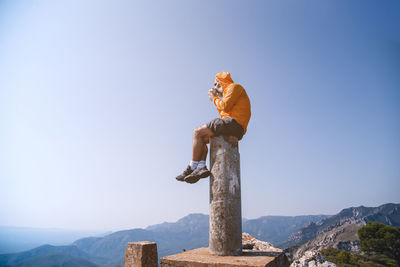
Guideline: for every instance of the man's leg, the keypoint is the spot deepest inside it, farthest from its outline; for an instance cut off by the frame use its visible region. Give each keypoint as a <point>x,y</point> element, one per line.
<point>201,135</point>
<point>205,152</point>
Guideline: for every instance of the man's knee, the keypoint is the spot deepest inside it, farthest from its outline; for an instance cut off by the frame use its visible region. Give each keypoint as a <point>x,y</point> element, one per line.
<point>202,131</point>
<point>197,132</point>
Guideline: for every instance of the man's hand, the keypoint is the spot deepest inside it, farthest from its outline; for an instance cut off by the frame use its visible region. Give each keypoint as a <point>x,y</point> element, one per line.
<point>211,94</point>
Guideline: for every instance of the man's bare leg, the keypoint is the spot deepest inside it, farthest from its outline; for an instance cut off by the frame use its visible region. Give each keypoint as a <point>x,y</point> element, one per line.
<point>205,152</point>
<point>199,148</point>
<point>201,137</point>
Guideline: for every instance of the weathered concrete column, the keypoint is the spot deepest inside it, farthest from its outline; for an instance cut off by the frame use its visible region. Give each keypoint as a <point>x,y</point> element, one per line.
<point>225,199</point>
<point>141,254</point>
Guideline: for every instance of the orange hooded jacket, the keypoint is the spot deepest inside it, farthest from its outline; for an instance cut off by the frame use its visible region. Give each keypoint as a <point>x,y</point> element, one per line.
<point>235,102</point>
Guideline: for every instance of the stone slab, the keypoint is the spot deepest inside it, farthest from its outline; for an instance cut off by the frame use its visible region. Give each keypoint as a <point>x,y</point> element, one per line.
<point>201,257</point>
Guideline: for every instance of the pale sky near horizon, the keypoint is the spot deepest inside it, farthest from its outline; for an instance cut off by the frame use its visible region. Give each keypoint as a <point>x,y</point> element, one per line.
<point>98,101</point>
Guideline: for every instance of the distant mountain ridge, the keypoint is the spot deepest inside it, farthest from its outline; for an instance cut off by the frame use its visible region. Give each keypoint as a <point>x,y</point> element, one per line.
<point>277,229</point>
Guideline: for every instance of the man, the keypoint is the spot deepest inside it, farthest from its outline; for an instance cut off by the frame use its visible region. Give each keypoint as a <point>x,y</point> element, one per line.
<point>234,109</point>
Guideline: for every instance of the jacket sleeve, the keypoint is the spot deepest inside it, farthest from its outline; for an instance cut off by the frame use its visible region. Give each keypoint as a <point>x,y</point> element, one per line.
<point>231,96</point>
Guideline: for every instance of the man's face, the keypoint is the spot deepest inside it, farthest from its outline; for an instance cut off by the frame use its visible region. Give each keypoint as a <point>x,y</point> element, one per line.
<point>217,85</point>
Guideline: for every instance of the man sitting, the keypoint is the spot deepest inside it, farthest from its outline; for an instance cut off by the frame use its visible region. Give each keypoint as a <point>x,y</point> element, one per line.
<point>234,109</point>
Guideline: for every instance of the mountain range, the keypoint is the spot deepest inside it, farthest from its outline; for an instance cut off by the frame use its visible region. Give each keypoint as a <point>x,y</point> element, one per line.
<point>192,232</point>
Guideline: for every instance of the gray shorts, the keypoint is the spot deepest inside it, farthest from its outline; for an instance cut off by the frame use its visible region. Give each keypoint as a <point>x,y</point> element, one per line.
<point>226,126</point>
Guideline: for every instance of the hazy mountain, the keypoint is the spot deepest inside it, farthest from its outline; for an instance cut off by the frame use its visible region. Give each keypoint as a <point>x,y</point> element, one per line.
<point>188,233</point>
<point>15,258</point>
<point>55,259</point>
<point>17,239</point>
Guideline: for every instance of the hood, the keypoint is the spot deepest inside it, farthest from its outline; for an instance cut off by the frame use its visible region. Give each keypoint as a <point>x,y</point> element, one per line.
<point>224,78</point>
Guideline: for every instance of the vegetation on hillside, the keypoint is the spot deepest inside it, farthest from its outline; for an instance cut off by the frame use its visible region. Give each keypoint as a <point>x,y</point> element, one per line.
<point>343,258</point>
<point>380,246</point>
<point>378,238</point>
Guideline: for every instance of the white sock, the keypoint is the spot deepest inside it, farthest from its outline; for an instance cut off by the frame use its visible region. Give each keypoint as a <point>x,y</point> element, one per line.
<point>202,163</point>
<point>193,164</point>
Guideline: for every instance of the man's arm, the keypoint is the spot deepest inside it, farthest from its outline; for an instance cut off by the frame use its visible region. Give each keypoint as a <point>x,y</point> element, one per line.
<point>230,97</point>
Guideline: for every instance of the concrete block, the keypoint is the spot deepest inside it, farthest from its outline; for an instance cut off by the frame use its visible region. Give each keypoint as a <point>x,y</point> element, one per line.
<point>141,254</point>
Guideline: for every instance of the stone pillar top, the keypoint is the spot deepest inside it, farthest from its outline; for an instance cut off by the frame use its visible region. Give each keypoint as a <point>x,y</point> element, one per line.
<point>141,243</point>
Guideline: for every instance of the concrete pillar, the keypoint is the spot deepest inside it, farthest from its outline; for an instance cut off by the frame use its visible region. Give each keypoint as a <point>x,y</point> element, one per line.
<point>225,199</point>
<point>141,254</point>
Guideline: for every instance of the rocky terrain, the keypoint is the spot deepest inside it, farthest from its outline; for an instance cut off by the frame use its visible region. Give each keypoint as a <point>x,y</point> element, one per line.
<point>343,237</point>
<point>312,259</point>
<point>339,231</point>
<point>388,214</point>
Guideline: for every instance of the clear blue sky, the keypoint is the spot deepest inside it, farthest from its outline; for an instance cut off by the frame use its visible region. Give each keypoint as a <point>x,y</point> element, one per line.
<point>98,101</point>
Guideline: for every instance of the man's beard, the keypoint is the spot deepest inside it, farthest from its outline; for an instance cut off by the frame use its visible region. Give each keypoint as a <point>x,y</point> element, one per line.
<point>219,90</point>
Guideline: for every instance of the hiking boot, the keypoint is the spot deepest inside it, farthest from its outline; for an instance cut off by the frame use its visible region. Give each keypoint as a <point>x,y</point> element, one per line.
<point>185,173</point>
<point>197,174</point>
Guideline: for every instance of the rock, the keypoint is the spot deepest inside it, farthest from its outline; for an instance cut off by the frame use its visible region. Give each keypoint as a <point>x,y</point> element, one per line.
<point>250,242</point>
<point>312,258</point>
